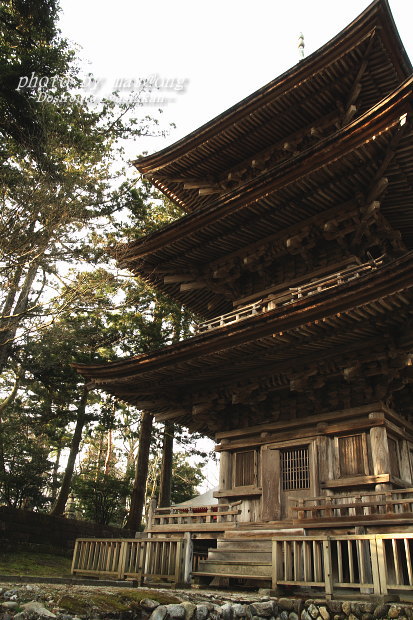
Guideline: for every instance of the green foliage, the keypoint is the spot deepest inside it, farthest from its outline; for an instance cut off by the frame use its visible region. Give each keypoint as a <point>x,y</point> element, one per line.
<point>24,464</point>
<point>102,500</point>
<point>62,203</point>
<point>185,478</point>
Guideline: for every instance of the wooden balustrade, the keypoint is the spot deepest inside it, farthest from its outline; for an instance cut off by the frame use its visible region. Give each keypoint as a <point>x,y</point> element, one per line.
<point>213,514</point>
<point>142,559</point>
<point>289,296</point>
<point>232,317</point>
<point>378,505</point>
<point>370,563</point>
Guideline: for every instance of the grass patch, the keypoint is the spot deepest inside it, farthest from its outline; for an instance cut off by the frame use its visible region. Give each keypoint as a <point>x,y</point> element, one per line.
<point>34,564</point>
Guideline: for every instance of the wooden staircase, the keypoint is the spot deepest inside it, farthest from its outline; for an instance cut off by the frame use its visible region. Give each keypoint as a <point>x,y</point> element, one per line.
<point>243,554</point>
<point>236,558</point>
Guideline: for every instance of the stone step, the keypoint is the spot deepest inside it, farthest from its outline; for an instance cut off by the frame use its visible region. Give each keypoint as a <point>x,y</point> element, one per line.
<point>246,569</point>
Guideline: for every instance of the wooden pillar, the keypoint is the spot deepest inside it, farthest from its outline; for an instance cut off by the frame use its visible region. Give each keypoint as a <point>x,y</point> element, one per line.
<point>188,558</point>
<point>225,471</point>
<point>380,453</point>
<point>405,471</point>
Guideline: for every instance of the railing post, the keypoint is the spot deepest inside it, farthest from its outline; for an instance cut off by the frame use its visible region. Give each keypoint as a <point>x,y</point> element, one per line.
<point>122,560</point>
<point>276,560</point>
<point>381,563</point>
<point>188,557</point>
<point>75,554</point>
<point>178,563</point>
<point>328,568</point>
<point>151,512</point>
<point>375,567</point>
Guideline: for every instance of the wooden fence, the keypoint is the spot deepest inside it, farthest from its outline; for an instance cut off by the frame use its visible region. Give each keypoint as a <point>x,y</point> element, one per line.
<point>142,559</point>
<point>175,517</point>
<point>370,563</point>
<point>392,504</point>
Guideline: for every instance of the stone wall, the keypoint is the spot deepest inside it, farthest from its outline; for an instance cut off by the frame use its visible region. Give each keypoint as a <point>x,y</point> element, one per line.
<point>34,528</point>
<point>279,609</point>
<point>36,601</point>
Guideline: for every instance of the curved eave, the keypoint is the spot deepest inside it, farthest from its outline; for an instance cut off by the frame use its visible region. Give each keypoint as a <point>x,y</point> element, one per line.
<point>397,102</point>
<point>146,257</point>
<point>388,280</point>
<point>376,16</point>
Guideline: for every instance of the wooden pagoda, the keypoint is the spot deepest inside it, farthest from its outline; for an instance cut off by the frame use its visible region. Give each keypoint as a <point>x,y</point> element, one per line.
<point>296,253</point>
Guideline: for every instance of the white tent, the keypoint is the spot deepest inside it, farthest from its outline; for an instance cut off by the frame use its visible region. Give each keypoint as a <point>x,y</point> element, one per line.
<point>206,499</point>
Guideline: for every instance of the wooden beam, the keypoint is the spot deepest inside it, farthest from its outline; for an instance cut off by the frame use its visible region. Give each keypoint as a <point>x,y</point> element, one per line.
<point>170,415</point>
<point>349,207</point>
<point>206,191</point>
<point>192,286</point>
<point>377,190</point>
<point>356,481</point>
<point>308,421</point>
<point>178,278</point>
<point>261,160</point>
<point>349,113</point>
<point>200,408</point>
<point>350,107</point>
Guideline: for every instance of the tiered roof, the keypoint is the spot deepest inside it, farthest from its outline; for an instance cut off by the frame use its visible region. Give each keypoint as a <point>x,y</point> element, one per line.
<point>315,166</point>
<point>332,178</point>
<point>360,66</point>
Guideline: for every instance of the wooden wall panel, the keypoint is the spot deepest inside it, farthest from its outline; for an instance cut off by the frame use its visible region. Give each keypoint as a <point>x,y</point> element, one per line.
<point>270,477</point>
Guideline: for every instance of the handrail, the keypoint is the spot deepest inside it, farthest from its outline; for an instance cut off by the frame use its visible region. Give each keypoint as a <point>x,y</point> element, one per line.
<point>365,562</point>
<point>144,559</point>
<point>192,515</point>
<point>196,509</point>
<point>290,295</point>
<point>384,503</point>
<point>358,494</point>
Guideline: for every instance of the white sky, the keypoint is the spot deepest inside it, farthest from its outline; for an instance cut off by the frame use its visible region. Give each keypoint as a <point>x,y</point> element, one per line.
<point>225,49</point>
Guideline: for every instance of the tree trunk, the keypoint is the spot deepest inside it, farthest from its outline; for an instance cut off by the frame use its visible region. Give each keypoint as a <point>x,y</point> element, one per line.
<point>134,519</point>
<point>59,507</point>
<point>10,324</point>
<point>166,471</point>
<point>55,471</point>
<point>108,453</point>
<point>3,405</point>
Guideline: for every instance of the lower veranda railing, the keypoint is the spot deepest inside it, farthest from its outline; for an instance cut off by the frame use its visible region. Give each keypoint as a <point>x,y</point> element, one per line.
<point>369,563</point>
<point>376,563</point>
<point>141,559</point>
<point>213,514</point>
<point>392,504</point>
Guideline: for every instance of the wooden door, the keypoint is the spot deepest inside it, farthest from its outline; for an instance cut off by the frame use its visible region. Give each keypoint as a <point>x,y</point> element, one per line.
<point>295,477</point>
<point>287,473</point>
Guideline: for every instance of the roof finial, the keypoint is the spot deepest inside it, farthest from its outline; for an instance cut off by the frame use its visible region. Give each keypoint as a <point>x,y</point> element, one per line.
<point>301,45</point>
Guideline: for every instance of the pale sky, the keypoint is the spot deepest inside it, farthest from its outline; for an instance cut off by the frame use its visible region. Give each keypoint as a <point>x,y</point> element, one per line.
<point>223,49</point>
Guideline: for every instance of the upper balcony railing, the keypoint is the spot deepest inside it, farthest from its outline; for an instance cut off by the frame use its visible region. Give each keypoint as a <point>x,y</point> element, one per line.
<point>291,295</point>
<point>367,506</point>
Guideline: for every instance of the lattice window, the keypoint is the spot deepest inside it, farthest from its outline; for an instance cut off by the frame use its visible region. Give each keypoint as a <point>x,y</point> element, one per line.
<point>295,470</point>
<point>244,468</point>
<point>352,455</point>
